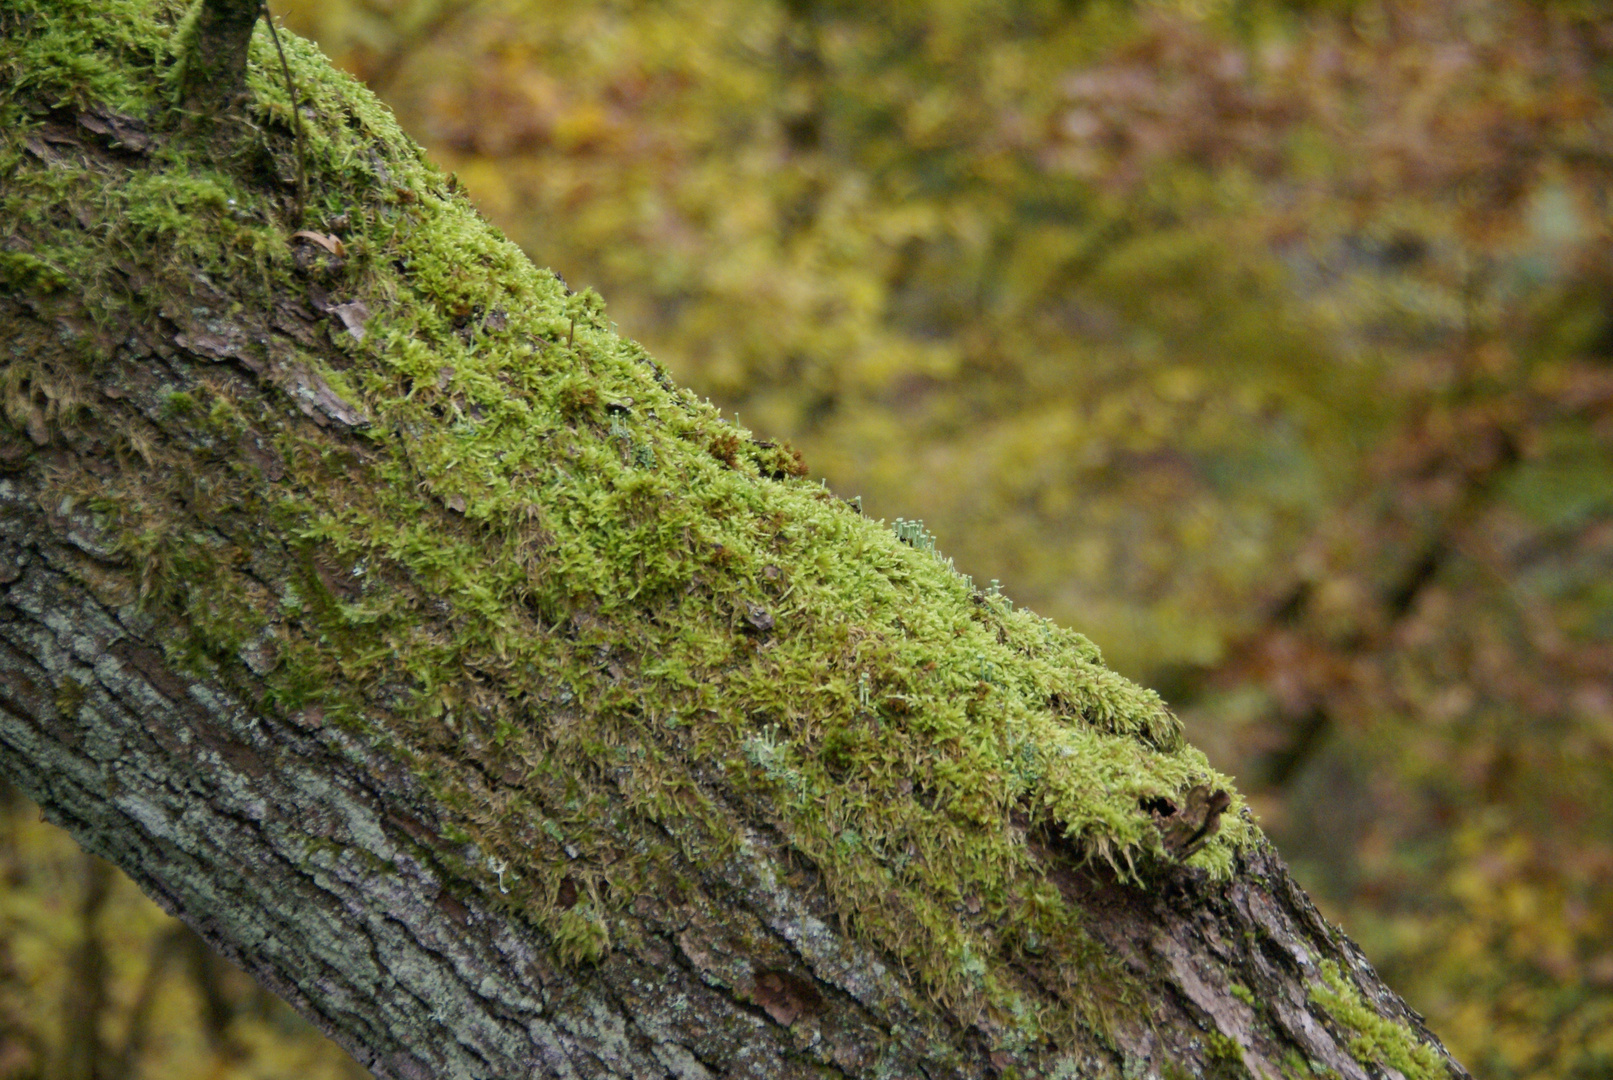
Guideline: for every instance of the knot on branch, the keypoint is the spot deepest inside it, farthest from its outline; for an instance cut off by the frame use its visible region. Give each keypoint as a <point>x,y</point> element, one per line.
<point>1187,828</point>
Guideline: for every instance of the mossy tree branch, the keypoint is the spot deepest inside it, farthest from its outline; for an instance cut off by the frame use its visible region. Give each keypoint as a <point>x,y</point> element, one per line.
<point>402,628</point>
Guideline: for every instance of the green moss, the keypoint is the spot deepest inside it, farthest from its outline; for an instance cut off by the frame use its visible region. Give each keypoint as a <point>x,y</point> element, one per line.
<point>180,403</point>
<point>1374,1038</point>
<point>1225,1054</point>
<point>81,53</point>
<point>580,935</point>
<point>1295,1067</point>
<point>70,696</point>
<point>543,558</point>
<point>24,272</point>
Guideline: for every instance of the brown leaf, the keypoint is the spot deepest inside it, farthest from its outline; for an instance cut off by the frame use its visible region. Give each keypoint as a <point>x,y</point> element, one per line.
<point>330,243</point>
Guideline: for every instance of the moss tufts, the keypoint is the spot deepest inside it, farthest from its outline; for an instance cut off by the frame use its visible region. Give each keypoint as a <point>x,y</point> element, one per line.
<point>1372,1037</point>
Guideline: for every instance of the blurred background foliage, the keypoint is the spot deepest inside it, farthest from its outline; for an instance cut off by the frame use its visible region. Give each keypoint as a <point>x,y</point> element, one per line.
<point>1270,344</point>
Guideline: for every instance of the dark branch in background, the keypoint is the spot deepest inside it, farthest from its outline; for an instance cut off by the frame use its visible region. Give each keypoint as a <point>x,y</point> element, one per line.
<point>379,73</point>
<point>1305,735</point>
<point>165,949</point>
<point>1459,483</point>
<point>85,999</point>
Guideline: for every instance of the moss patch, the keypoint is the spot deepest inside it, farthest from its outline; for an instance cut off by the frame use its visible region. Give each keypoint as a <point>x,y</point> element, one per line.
<point>1372,1037</point>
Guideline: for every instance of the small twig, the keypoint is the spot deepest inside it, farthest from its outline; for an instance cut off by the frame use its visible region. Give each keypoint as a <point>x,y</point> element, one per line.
<point>296,115</point>
<point>212,42</point>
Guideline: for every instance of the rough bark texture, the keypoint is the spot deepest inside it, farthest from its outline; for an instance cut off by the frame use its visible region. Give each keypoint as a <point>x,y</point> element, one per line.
<point>478,830</point>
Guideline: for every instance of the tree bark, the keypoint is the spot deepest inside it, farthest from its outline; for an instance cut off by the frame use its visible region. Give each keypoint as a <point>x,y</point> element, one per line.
<point>404,631</point>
